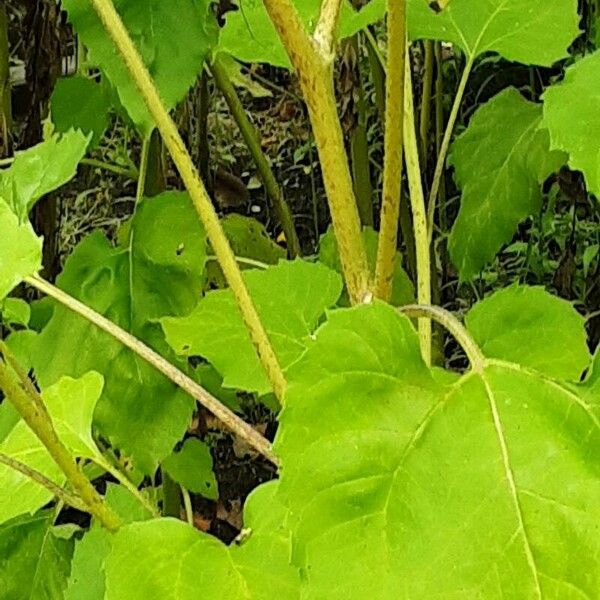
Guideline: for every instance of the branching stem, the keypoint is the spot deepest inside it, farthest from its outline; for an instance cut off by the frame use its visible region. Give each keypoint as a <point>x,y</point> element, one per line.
<point>325,31</point>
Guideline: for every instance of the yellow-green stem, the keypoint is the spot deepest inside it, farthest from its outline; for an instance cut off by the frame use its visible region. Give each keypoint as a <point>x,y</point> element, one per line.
<point>419,211</point>
<point>41,424</point>
<point>174,143</point>
<point>441,159</point>
<point>314,65</point>
<point>252,139</point>
<point>392,170</point>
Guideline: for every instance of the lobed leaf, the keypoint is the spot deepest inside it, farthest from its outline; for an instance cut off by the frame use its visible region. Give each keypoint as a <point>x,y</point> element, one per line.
<point>290,298</point>
<point>174,61</point>
<point>500,169</point>
<point>570,110</point>
<point>536,32</point>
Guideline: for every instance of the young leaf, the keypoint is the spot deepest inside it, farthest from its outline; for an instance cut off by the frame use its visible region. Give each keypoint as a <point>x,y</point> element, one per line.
<point>192,467</point>
<point>34,562</point>
<point>174,39</point>
<point>250,36</point>
<point>536,32</point>
<point>41,169</point>
<point>290,299</point>
<point>403,291</point>
<point>15,311</point>
<point>529,326</point>
<point>80,103</point>
<point>158,272</point>
<point>70,404</point>
<point>20,250</point>
<point>500,169</point>
<point>488,486</point>
<point>570,114</point>
<point>206,568</point>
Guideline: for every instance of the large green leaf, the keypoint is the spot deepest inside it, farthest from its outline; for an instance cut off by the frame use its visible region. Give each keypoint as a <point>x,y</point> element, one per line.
<point>290,298</point>
<point>34,562</point>
<point>535,32</point>
<point>70,403</point>
<point>529,326</point>
<point>174,39</point>
<point>145,556</point>
<point>41,169</point>
<point>158,272</point>
<point>81,103</point>
<point>398,488</point>
<point>500,162</point>
<point>403,291</point>
<point>250,36</point>
<point>20,250</point>
<point>570,114</point>
<point>87,578</point>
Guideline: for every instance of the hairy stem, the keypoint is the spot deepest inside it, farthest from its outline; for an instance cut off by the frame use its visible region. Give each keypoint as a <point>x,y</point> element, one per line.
<point>252,139</point>
<point>230,419</point>
<point>41,424</point>
<point>202,203</point>
<point>394,132</point>
<point>327,24</point>
<point>441,159</point>
<point>38,477</point>
<point>419,212</point>
<point>315,72</point>
<point>447,320</point>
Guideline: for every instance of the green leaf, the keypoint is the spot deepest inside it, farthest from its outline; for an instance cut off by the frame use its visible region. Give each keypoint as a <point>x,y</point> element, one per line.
<point>250,36</point>
<point>500,170</point>
<point>536,32</point>
<point>174,40</point>
<point>529,326</point>
<point>290,299</point>
<point>40,170</point>
<point>80,103</point>
<point>15,311</point>
<point>192,467</point>
<point>154,550</point>
<point>158,272</point>
<point>403,291</point>
<point>87,579</point>
<point>20,250</point>
<point>399,488</point>
<point>570,110</point>
<point>34,562</point>
<point>249,239</point>
<point>70,404</point>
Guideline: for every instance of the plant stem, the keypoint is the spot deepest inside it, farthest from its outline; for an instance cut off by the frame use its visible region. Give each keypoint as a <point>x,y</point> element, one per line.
<point>417,203</point>
<point>314,67</point>
<point>441,159</point>
<point>41,424</point>
<point>204,207</point>
<point>394,131</point>
<point>230,419</point>
<point>187,503</point>
<point>425,115</point>
<point>117,169</point>
<point>244,261</point>
<point>143,169</point>
<point>38,477</point>
<point>439,126</point>
<point>252,139</point>
<point>326,27</point>
<point>452,325</point>
<point>5,93</point>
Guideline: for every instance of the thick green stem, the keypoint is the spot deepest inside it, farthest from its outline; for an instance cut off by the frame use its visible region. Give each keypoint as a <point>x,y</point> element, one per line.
<point>419,211</point>
<point>33,412</point>
<point>42,480</point>
<point>230,419</point>
<point>425,115</point>
<point>441,159</point>
<point>252,139</point>
<point>204,207</point>
<point>394,132</point>
<point>314,65</point>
